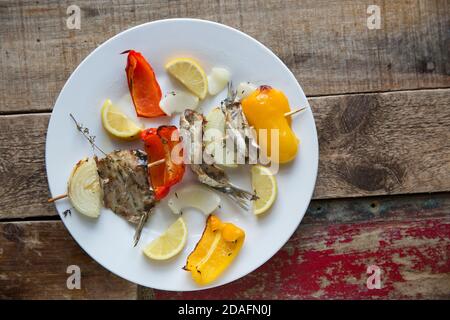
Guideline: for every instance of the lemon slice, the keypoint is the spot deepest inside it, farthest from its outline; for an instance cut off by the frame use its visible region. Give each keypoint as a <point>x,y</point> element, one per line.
<point>118,124</point>
<point>170,243</point>
<point>189,73</point>
<point>265,187</point>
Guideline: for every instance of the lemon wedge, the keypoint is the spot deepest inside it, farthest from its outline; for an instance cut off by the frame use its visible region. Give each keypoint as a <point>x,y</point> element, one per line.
<point>265,186</point>
<point>189,73</point>
<point>170,243</point>
<point>118,124</point>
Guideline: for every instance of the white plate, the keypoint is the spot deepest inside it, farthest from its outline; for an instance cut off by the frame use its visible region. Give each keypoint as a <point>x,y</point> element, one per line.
<point>101,75</point>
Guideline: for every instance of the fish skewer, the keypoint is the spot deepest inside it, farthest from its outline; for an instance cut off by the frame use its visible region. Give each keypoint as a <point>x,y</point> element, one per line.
<point>124,182</point>
<point>126,190</point>
<point>207,171</point>
<point>65,195</point>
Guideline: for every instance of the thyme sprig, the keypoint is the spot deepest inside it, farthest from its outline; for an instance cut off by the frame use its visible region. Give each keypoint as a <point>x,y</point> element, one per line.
<point>86,134</point>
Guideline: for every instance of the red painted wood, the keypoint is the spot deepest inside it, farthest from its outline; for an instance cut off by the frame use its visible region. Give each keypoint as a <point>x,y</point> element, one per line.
<point>330,261</point>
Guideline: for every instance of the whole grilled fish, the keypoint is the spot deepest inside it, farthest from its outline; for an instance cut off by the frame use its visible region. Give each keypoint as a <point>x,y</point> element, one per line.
<point>126,190</point>
<point>239,132</point>
<point>207,171</point>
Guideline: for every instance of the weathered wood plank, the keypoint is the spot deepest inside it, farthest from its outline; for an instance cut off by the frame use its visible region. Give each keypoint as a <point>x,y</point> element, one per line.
<point>409,242</point>
<point>24,187</point>
<point>34,257</point>
<point>376,209</point>
<point>388,143</point>
<point>325,43</point>
<point>407,237</point>
<point>373,144</point>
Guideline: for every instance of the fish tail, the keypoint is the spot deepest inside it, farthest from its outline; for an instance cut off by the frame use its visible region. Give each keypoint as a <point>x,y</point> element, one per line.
<point>139,227</point>
<point>242,197</point>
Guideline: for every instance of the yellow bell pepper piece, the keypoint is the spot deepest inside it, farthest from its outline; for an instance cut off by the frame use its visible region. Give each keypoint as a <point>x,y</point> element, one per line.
<point>265,109</point>
<point>219,245</point>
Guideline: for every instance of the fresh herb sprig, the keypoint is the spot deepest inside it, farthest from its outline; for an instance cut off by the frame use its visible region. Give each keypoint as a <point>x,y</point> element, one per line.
<point>86,134</point>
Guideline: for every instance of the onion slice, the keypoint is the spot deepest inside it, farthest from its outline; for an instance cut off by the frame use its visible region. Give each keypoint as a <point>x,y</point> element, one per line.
<point>177,102</point>
<point>84,189</point>
<point>245,89</point>
<point>194,196</point>
<point>217,80</point>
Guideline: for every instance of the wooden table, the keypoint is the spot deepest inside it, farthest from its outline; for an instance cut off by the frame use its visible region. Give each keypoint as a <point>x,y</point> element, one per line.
<point>381,100</point>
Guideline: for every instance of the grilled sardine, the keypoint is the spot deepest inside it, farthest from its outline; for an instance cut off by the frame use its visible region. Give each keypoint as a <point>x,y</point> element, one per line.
<point>239,132</point>
<point>126,190</point>
<point>206,170</point>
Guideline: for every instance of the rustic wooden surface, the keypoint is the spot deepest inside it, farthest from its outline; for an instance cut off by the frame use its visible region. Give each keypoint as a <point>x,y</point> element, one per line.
<point>370,144</point>
<point>386,143</point>
<point>382,107</point>
<point>325,43</point>
<point>34,258</point>
<point>328,256</point>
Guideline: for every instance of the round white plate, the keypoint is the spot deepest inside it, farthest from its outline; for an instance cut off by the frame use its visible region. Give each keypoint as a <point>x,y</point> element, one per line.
<point>101,75</point>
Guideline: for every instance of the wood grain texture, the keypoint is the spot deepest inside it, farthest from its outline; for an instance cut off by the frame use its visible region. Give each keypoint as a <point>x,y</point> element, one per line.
<point>408,237</point>
<point>387,143</point>
<point>34,257</point>
<point>327,257</point>
<point>373,144</point>
<point>370,145</point>
<point>24,187</point>
<point>325,43</point>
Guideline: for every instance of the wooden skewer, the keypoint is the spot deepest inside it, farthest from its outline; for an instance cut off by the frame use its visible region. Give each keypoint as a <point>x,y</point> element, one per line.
<point>287,114</point>
<point>291,113</point>
<point>156,163</point>
<point>62,196</point>
<point>65,195</point>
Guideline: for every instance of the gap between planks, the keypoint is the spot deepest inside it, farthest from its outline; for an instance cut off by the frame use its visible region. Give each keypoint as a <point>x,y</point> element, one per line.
<point>372,205</point>
<point>50,110</point>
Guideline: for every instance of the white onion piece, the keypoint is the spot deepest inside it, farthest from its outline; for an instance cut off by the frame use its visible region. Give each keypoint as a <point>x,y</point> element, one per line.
<point>217,80</point>
<point>84,189</point>
<point>178,101</point>
<point>245,89</point>
<point>194,196</point>
<point>214,136</point>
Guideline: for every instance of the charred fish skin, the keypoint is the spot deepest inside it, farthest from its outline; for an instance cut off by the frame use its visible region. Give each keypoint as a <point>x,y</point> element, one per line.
<point>126,190</point>
<point>239,131</point>
<point>215,177</point>
<point>206,170</point>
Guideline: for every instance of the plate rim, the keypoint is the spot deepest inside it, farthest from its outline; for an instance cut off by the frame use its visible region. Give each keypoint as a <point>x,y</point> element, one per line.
<point>250,38</point>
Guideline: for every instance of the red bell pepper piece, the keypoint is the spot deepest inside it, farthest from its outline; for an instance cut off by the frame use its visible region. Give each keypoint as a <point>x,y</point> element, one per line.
<point>143,86</point>
<point>159,144</point>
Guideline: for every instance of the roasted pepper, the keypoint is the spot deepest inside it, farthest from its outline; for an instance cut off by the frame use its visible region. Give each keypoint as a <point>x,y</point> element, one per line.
<point>219,245</point>
<point>265,109</point>
<point>143,86</point>
<point>160,144</point>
